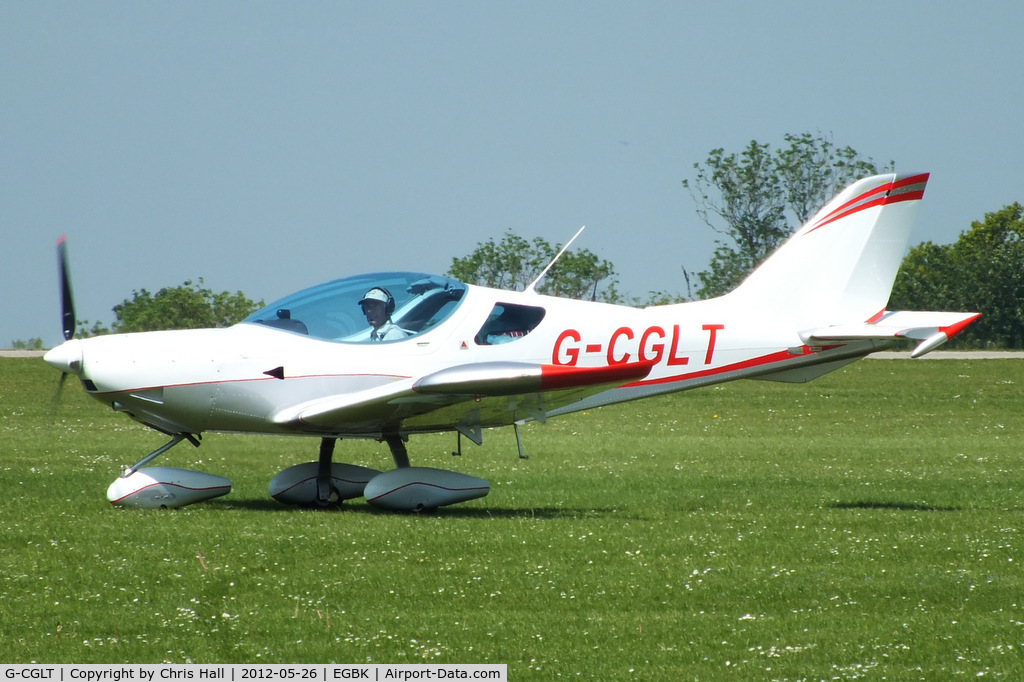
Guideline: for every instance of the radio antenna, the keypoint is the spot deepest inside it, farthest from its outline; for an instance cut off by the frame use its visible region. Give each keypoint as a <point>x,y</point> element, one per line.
<point>533,285</point>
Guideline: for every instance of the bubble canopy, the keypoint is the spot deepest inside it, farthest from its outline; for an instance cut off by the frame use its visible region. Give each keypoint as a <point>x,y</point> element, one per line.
<point>332,311</point>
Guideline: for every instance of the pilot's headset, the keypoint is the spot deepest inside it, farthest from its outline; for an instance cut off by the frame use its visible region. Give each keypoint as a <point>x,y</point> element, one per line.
<point>380,294</point>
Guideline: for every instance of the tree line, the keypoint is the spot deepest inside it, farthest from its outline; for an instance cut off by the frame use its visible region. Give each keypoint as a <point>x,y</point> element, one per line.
<point>753,200</point>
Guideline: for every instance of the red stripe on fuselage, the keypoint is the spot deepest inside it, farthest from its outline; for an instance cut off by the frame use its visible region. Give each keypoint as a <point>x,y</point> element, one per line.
<point>778,356</point>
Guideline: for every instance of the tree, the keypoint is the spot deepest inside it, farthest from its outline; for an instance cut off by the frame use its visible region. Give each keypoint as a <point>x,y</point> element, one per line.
<point>189,306</point>
<point>757,198</point>
<point>35,343</point>
<point>980,272</point>
<point>514,263</point>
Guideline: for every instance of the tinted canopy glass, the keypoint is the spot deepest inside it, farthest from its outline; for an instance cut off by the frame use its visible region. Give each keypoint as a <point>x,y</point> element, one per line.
<point>332,311</point>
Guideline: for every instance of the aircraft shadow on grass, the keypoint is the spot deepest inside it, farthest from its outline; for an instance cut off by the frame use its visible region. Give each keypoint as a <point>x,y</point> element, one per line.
<point>895,506</point>
<point>543,513</point>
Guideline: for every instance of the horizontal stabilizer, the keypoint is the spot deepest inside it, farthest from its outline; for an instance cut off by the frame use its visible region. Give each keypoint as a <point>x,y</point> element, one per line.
<point>931,329</point>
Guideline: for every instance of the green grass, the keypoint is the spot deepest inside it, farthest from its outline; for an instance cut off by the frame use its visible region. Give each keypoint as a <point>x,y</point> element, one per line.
<point>867,524</point>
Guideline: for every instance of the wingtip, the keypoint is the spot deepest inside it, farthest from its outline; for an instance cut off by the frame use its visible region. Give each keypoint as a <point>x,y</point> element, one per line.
<point>943,335</point>
<point>954,329</point>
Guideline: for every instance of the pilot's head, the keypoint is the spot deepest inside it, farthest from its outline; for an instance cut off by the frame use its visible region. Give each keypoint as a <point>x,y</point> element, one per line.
<point>377,305</point>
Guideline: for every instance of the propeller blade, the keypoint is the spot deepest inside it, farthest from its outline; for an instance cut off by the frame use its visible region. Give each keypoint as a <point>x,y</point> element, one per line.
<point>55,401</point>
<point>67,303</point>
<point>65,355</point>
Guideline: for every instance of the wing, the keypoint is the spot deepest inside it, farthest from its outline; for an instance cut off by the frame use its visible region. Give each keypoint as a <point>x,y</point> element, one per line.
<point>929,328</point>
<point>462,397</point>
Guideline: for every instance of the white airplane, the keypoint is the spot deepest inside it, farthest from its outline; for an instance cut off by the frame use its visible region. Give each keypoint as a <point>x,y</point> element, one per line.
<point>389,355</point>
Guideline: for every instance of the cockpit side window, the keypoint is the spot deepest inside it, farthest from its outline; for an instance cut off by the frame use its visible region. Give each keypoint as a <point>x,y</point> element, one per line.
<point>508,322</point>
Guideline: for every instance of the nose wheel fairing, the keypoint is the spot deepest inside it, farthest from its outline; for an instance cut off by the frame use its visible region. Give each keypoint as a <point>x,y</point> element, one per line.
<point>165,488</point>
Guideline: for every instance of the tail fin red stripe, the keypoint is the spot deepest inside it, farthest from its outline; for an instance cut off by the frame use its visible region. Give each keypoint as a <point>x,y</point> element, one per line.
<point>900,189</point>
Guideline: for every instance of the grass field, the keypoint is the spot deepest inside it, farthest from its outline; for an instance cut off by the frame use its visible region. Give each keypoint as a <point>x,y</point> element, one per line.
<point>867,524</point>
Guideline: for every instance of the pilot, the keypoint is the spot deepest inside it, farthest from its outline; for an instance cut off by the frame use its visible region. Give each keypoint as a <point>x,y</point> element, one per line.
<point>377,305</point>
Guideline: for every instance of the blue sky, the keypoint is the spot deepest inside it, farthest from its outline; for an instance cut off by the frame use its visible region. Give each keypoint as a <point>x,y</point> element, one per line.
<point>268,146</point>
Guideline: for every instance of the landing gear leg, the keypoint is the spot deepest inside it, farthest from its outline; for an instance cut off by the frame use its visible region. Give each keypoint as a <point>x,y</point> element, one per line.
<point>326,493</point>
<point>398,451</point>
<point>175,439</point>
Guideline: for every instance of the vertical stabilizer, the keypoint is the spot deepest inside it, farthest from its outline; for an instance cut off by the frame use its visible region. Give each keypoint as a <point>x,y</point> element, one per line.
<point>840,266</point>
